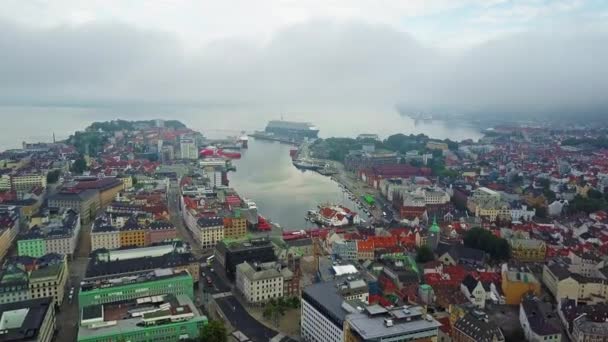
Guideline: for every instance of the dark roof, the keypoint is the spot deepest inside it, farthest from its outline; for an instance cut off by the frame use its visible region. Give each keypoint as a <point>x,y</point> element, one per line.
<point>559,271</point>
<point>474,325</point>
<point>299,242</point>
<point>92,311</point>
<point>470,283</point>
<point>34,318</point>
<point>74,195</point>
<point>98,268</point>
<point>325,298</point>
<point>459,252</point>
<point>210,222</point>
<point>100,184</point>
<point>539,316</point>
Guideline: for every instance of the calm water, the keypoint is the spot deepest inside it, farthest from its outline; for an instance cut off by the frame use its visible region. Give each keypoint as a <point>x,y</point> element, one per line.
<point>283,193</point>
<point>265,173</point>
<point>39,124</point>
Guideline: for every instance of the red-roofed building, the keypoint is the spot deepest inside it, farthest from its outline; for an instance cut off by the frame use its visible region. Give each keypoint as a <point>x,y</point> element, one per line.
<point>365,250</point>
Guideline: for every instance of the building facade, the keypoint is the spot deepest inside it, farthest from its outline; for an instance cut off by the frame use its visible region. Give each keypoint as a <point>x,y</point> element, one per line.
<point>28,320</point>
<point>260,282</point>
<point>157,282</point>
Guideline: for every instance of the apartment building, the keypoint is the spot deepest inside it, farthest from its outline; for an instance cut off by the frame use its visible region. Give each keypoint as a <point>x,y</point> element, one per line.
<point>58,233</point>
<point>261,282</point>
<point>28,320</point>
<point>9,227</point>
<point>26,181</point>
<point>30,278</point>
<point>85,202</point>
<point>209,231</point>
<point>235,225</point>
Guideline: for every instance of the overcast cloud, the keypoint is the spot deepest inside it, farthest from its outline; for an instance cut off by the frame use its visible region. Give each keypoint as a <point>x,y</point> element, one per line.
<point>311,56</point>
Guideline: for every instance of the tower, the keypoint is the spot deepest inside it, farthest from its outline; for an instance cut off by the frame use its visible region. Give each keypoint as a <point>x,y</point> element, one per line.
<point>434,232</point>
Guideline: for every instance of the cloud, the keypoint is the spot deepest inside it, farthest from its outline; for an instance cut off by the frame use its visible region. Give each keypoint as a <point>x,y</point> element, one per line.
<point>318,62</point>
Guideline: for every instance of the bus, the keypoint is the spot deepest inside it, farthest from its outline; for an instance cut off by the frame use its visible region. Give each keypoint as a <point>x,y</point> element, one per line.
<point>210,260</point>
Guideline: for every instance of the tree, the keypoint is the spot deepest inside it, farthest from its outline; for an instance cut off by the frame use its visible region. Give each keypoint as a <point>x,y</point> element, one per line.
<point>479,238</point>
<point>214,331</point>
<point>424,254</point>
<point>79,166</point>
<point>53,176</point>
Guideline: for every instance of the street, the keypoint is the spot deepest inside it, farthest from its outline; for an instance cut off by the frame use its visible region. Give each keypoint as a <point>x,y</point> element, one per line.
<point>173,202</point>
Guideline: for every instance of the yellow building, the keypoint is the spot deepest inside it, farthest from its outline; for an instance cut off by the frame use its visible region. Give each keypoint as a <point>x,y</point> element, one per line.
<point>515,285</point>
<point>528,250</point>
<point>23,182</point>
<point>133,237</point>
<point>502,213</point>
<point>437,145</point>
<point>564,284</point>
<point>127,182</point>
<point>235,226</point>
<point>50,281</point>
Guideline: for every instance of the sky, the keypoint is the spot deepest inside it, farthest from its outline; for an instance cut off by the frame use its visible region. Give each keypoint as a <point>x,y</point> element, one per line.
<point>437,56</point>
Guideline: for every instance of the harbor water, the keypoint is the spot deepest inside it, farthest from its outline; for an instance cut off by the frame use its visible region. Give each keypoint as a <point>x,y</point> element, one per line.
<point>283,193</point>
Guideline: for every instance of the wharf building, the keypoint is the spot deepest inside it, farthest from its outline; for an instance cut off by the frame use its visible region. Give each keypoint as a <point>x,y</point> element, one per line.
<point>230,254</point>
<point>28,320</point>
<point>24,278</point>
<point>58,233</point>
<point>163,317</point>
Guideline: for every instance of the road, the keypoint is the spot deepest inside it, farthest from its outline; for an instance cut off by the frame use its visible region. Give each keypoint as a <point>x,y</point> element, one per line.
<point>173,201</point>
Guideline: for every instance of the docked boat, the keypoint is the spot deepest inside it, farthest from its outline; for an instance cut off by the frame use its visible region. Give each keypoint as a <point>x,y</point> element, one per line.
<point>305,164</point>
<point>333,215</point>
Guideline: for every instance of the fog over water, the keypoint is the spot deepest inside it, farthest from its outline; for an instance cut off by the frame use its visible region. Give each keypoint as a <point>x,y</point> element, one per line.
<point>39,124</point>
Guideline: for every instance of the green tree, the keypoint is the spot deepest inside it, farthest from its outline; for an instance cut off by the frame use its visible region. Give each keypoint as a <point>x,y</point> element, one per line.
<point>214,331</point>
<point>424,254</point>
<point>79,166</point>
<point>479,238</point>
<point>53,176</point>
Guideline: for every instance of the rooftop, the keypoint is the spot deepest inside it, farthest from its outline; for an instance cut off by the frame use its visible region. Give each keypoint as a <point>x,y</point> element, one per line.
<point>146,276</point>
<point>22,320</point>
<point>136,315</point>
<point>372,324</point>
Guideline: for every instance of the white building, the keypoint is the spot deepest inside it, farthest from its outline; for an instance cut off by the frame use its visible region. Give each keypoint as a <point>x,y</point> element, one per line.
<point>23,182</point>
<point>322,315</point>
<point>107,237</point>
<point>260,282</point>
<point>187,147</point>
<point>536,319</point>
<point>474,291</point>
<point>208,231</point>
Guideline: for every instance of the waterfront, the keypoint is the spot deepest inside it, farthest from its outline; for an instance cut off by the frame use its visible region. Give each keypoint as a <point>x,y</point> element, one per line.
<point>39,124</point>
<point>282,193</point>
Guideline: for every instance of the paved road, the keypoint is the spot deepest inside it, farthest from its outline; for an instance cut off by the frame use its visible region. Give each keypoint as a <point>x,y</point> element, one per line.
<point>242,321</point>
<point>177,220</point>
<point>68,315</point>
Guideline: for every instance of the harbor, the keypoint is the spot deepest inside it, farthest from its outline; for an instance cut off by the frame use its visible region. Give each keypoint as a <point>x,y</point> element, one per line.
<point>283,193</point>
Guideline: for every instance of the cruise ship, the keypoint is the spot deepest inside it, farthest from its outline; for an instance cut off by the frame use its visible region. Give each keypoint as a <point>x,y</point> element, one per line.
<point>290,129</point>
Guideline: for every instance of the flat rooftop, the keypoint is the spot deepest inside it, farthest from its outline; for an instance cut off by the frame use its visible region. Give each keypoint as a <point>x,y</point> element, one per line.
<point>21,321</point>
<point>146,276</point>
<point>116,318</point>
<point>371,325</point>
